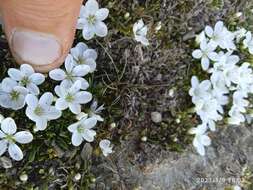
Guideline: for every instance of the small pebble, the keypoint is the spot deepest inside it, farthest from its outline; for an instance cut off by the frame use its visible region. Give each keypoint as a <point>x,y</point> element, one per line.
<point>171,93</point>
<point>93,180</point>
<point>156,117</point>
<point>238,14</point>
<point>113,125</point>
<point>144,139</point>
<point>178,120</point>
<point>126,16</point>
<point>23,177</point>
<point>158,26</point>
<point>77,177</point>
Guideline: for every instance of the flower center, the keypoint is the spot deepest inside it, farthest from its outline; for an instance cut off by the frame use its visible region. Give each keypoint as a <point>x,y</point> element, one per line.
<point>80,129</point>
<point>14,95</point>
<point>10,138</point>
<point>69,76</point>
<point>69,97</point>
<point>38,111</point>
<point>25,80</point>
<point>81,61</point>
<point>91,19</point>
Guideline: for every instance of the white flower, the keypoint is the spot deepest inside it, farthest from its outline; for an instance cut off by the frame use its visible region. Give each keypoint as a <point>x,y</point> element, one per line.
<point>11,95</point>
<point>27,77</point>
<point>224,60</point>
<point>239,101</point>
<point>220,36</point>
<point>236,117</point>
<point>95,111</point>
<point>226,66</point>
<point>199,90</point>
<point>201,139</point>
<point>248,42</point>
<point>239,34</point>
<point>82,130</point>
<point>209,109</point>
<point>140,32</point>
<point>84,56</point>
<point>106,147</point>
<point>201,37</point>
<point>205,53</point>
<point>72,74</point>
<point>9,137</point>
<point>91,20</point>
<point>41,111</point>
<point>238,107</point>
<point>71,97</point>
<point>237,187</point>
<point>219,82</point>
<point>244,76</point>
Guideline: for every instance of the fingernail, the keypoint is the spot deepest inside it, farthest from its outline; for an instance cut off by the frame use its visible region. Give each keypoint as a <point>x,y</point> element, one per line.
<point>35,48</point>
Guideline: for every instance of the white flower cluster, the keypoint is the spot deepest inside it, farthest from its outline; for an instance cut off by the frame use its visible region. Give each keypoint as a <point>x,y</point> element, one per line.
<point>72,92</point>
<point>229,75</point>
<point>21,89</point>
<point>91,20</point>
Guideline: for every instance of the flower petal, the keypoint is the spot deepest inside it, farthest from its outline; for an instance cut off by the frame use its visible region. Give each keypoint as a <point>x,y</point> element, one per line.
<point>209,31</point>
<point>46,99</point>
<point>89,135</point>
<point>8,126</point>
<point>75,87</point>
<point>76,138</point>
<point>83,97</point>
<point>2,134</point>
<point>84,83</point>
<point>90,53</point>
<point>75,108</point>
<point>88,33</point>
<point>53,113</point>
<point>89,123</point>
<point>3,146</point>
<point>69,63</point>
<point>201,150</point>
<point>101,29</point>
<point>57,74</point>
<point>197,54</point>
<point>33,88</point>
<point>102,14</point>
<point>205,140</point>
<point>73,127</point>
<point>61,104</point>
<point>205,63</point>
<point>78,50</point>
<point>15,74</point>
<point>8,84</point>
<point>92,5</point>
<point>58,91</point>
<point>41,124</point>
<point>37,78</point>
<point>23,137</point>
<point>81,70</point>
<point>32,101</point>
<point>104,144</point>
<point>26,69</point>
<point>15,152</point>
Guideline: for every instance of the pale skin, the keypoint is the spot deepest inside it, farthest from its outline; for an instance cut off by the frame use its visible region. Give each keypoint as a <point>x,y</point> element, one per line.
<point>40,32</point>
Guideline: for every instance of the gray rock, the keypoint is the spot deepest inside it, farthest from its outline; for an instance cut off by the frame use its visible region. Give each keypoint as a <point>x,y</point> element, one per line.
<point>156,117</point>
